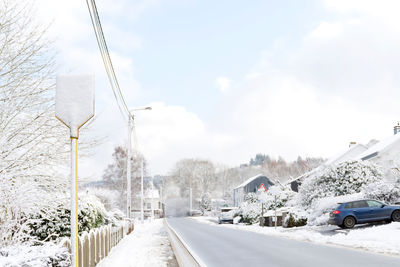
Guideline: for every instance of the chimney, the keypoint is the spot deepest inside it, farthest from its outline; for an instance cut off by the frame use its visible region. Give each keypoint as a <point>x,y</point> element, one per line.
<point>397,128</point>
<point>352,144</point>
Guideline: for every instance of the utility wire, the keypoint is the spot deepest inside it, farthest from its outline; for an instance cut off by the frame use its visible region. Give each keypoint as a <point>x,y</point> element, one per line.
<point>101,41</point>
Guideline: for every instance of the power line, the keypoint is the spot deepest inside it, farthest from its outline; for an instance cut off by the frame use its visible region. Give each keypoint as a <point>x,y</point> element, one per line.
<point>101,41</point>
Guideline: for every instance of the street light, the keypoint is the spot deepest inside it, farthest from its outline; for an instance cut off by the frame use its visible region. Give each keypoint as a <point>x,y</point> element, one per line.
<point>128,167</point>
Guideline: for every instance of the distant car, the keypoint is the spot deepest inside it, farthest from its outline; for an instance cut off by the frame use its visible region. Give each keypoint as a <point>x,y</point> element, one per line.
<point>195,213</point>
<point>346,215</point>
<point>226,214</point>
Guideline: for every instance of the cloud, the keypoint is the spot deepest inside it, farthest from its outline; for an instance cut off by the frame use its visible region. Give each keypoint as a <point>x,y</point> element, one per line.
<point>338,83</point>
<point>223,84</point>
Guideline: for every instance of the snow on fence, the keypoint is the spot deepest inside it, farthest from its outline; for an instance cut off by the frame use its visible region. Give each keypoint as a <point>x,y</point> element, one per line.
<point>95,245</point>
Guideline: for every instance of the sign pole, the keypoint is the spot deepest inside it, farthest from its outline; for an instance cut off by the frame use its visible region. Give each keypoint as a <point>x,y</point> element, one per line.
<point>74,107</point>
<point>74,201</point>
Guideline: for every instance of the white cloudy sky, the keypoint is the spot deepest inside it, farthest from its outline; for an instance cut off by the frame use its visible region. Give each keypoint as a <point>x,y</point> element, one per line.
<point>229,79</point>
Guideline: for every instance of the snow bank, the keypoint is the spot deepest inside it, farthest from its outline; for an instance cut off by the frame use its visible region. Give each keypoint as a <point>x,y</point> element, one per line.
<point>35,256</point>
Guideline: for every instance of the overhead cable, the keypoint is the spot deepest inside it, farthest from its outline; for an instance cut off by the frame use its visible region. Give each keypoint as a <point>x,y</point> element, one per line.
<point>101,41</point>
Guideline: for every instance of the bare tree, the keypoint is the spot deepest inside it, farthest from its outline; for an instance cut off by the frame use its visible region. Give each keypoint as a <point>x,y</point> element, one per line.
<point>115,175</point>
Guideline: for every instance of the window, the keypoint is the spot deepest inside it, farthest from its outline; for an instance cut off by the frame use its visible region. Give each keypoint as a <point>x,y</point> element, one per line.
<point>356,204</point>
<point>374,204</point>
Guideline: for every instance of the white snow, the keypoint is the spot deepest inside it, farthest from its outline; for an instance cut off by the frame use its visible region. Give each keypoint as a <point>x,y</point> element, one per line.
<point>381,146</point>
<point>75,100</point>
<point>383,238</point>
<point>147,245</point>
<point>34,256</point>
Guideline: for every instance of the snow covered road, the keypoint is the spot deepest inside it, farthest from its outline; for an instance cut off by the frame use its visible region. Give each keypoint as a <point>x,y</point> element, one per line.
<point>222,246</point>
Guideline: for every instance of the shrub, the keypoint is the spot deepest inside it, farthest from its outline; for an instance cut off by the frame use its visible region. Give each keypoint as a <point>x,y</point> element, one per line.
<point>295,218</point>
<point>346,178</point>
<point>53,223</point>
<point>282,194</point>
<point>383,191</point>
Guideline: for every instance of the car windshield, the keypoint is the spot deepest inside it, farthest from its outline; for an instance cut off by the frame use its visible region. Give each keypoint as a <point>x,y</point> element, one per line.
<point>225,210</point>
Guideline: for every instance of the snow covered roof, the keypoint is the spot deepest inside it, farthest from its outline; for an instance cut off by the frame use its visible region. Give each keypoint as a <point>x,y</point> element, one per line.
<point>249,180</point>
<point>379,147</point>
<point>347,154</point>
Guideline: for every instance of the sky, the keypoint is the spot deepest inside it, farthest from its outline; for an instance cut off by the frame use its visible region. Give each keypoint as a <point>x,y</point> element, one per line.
<point>229,79</point>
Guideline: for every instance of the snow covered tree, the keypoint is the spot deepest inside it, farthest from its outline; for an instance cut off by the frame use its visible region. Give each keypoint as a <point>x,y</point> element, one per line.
<point>282,194</point>
<point>205,204</point>
<point>33,143</point>
<point>344,179</point>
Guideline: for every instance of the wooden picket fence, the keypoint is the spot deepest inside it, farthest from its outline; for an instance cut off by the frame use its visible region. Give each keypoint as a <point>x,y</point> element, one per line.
<point>95,245</point>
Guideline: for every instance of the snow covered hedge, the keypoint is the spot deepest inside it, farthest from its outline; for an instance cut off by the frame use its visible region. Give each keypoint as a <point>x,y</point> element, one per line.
<point>53,222</point>
<point>344,179</point>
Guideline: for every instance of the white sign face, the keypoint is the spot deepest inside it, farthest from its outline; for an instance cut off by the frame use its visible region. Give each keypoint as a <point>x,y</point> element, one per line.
<point>75,100</point>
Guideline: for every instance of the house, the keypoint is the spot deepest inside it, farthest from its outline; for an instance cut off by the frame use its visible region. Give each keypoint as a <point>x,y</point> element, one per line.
<point>385,153</point>
<point>251,185</point>
<point>152,202</point>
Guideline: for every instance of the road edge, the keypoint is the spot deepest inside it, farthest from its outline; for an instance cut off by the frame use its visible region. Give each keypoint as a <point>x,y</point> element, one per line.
<point>183,253</point>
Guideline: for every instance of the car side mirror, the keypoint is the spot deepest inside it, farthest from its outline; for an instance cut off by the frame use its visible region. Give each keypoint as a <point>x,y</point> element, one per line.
<point>383,205</point>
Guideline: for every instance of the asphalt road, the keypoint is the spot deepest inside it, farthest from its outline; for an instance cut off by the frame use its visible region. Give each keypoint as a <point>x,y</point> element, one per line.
<point>221,246</point>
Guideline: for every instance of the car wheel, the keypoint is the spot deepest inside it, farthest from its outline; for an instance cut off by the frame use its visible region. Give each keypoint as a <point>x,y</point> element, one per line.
<point>396,216</point>
<point>349,222</point>
<point>342,226</point>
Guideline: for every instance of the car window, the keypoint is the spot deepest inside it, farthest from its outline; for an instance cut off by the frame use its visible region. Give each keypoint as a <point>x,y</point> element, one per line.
<point>356,204</point>
<point>361,204</point>
<point>374,204</point>
<point>349,205</point>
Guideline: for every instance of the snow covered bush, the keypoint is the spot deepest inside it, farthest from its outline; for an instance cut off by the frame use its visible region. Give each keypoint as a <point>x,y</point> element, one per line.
<point>205,204</point>
<point>53,222</point>
<point>346,178</point>
<point>251,198</point>
<point>295,218</point>
<point>282,194</point>
<point>388,192</point>
<point>249,212</point>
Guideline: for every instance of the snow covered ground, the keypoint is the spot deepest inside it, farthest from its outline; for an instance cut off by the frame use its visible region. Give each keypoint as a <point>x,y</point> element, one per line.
<point>379,238</point>
<point>147,245</point>
<point>34,256</point>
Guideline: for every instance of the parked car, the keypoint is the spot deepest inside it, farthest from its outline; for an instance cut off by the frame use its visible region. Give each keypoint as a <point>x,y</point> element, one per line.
<point>346,215</point>
<point>226,214</point>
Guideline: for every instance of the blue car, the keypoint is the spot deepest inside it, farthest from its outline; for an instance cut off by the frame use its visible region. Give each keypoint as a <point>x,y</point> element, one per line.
<point>346,215</point>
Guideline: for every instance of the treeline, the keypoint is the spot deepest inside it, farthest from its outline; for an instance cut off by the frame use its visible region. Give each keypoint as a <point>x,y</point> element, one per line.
<point>210,180</point>
<point>282,170</point>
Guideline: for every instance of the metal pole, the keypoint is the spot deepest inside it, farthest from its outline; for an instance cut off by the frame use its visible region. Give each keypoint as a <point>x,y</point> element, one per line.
<point>141,196</point>
<point>190,201</point>
<point>152,192</point>
<point>276,221</point>
<point>128,170</point>
<point>74,201</point>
